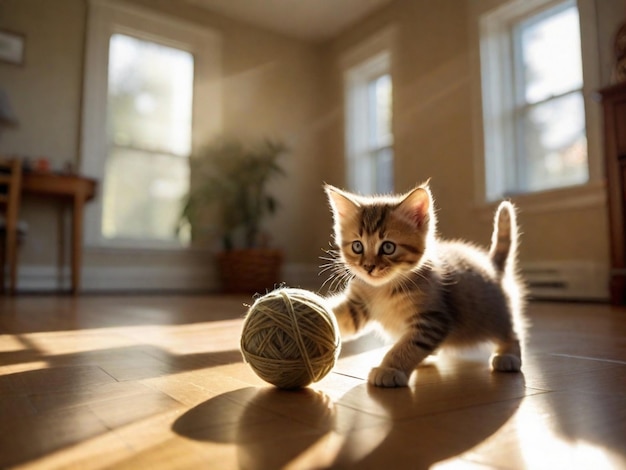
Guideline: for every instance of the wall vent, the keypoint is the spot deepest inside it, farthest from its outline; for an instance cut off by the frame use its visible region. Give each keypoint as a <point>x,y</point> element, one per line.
<point>566,280</point>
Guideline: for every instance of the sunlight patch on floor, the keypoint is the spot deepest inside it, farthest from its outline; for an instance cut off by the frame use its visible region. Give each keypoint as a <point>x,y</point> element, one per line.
<point>174,339</point>
<point>542,447</point>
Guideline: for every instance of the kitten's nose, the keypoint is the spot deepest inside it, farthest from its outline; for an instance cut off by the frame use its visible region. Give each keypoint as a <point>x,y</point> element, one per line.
<point>369,268</point>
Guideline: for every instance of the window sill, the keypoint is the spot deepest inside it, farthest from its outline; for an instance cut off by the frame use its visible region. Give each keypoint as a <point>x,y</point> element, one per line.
<point>592,194</point>
<point>130,248</point>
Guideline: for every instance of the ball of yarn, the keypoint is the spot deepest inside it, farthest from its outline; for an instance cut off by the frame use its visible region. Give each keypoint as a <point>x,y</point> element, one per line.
<point>290,338</point>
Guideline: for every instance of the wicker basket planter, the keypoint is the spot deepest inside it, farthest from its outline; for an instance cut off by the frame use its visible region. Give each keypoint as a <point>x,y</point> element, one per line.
<point>249,271</point>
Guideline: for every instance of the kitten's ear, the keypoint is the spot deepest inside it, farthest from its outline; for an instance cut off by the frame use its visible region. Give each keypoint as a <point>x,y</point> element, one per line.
<point>342,204</point>
<point>415,207</point>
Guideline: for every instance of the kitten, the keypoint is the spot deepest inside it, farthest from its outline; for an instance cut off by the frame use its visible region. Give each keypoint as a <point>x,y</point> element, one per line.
<point>422,290</point>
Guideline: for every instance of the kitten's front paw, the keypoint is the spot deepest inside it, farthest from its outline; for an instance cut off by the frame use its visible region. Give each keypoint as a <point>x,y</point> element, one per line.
<point>506,363</point>
<point>387,377</point>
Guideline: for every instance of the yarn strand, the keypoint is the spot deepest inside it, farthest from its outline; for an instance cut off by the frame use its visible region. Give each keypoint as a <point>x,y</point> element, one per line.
<point>298,334</point>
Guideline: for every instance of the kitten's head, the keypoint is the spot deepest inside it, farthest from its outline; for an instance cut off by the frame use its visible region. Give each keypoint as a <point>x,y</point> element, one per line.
<point>382,237</point>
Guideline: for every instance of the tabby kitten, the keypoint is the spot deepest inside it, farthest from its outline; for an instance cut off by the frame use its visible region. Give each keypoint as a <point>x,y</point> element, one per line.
<point>422,290</point>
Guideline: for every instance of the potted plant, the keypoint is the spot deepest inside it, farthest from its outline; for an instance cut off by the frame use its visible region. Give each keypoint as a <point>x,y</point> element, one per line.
<point>229,194</point>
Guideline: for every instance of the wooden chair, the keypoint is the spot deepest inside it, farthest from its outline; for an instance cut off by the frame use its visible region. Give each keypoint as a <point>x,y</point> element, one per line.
<point>10,195</point>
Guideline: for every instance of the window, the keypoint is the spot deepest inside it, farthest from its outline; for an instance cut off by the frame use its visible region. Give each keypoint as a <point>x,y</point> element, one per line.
<point>533,102</point>
<point>151,95</point>
<point>369,138</point>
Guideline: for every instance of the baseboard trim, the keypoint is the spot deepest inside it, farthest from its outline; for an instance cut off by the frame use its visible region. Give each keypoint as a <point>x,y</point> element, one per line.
<point>554,280</point>
<point>302,275</point>
<point>119,279</point>
<point>45,279</point>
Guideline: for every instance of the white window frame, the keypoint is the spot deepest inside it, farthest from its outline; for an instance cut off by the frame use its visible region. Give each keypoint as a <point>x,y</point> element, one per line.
<point>362,64</point>
<point>498,91</point>
<point>105,19</point>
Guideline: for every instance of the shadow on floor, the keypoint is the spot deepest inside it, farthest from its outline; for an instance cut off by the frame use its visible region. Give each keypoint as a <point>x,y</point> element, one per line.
<point>368,427</point>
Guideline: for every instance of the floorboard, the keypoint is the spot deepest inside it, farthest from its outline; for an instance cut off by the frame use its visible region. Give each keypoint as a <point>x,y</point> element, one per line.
<point>158,382</point>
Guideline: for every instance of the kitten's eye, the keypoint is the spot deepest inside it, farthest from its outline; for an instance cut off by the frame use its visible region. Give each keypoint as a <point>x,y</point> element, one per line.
<point>388,248</point>
<point>357,247</point>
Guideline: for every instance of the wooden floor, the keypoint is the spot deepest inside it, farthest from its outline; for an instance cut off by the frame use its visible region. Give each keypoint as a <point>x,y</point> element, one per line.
<point>158,382</point>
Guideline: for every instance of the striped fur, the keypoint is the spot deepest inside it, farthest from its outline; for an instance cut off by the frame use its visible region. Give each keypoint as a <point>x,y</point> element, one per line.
<point>423,291</point>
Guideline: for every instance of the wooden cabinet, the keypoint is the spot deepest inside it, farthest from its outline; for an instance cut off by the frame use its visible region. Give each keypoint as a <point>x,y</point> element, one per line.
<point>614,104</point>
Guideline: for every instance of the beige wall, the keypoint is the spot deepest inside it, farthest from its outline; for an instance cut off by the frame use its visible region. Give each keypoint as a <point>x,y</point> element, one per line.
<point>293,90</point>
<point>45,93</point>
<point>432,104</point>
<point>270,89</point>
<point>437,126</point>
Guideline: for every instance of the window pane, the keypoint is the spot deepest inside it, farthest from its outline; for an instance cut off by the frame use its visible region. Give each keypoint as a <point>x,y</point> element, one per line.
<point>379,94</point>
<point>143,194</point>
<point>555,143</point>
<point>150,95</point>
<point>384,171</point>
<point>369,138</point>
<point>372,172</point>
<point>551,55</point>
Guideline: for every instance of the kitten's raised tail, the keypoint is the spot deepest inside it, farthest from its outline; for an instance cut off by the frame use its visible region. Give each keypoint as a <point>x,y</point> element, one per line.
<point>504,239</point>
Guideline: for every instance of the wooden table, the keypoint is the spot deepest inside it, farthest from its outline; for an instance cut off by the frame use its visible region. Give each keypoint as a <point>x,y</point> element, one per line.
<point>72,188</point>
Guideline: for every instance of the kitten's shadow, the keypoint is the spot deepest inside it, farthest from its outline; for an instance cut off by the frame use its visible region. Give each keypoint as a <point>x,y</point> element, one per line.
<point>431,421</point>
<point>438,417</point>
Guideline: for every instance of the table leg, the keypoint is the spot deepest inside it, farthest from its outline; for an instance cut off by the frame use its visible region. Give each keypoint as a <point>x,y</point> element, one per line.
<point>77,240</point>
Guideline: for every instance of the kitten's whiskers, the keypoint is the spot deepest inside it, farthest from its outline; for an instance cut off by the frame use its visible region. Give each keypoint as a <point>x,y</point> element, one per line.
<point>339,273</point>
